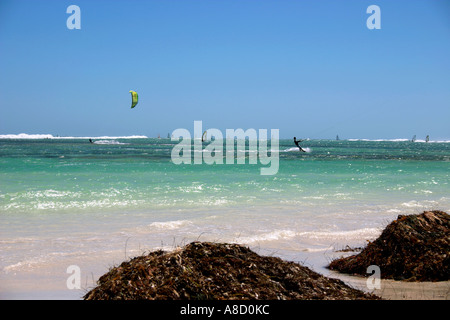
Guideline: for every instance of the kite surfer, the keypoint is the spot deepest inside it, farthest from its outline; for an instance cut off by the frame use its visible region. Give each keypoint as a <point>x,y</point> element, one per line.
<point>297,144</point>
<point>90,140</point>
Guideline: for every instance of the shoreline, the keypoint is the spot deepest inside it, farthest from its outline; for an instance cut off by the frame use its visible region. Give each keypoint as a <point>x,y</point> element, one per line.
<point>400,290</point>
<point>38,278</point>
<point>55,285</point>
<point>390,290</point>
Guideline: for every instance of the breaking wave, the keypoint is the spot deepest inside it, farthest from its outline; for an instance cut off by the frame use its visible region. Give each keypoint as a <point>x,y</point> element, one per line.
<point>359,234</point>
<point>170,225</point>
<point>109,142</point>
<point>49,136</point>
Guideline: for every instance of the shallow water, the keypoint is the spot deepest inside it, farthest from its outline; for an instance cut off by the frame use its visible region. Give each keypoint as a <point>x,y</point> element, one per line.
<point>69,202</point>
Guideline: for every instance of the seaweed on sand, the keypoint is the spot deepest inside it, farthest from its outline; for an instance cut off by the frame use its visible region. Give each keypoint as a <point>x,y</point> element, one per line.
<point>412,248</point>
<point>205,270</point>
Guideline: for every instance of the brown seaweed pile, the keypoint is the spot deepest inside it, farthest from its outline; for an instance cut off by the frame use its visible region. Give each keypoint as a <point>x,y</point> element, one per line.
<point>205,270</point>
<point>412,248</point>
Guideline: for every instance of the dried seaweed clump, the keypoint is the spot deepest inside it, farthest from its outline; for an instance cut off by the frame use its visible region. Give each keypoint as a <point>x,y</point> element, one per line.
<point>412,248</point>
<point>204,270</point>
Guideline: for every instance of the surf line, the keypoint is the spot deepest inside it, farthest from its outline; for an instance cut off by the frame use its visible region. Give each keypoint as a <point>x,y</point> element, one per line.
<point>213,151</point>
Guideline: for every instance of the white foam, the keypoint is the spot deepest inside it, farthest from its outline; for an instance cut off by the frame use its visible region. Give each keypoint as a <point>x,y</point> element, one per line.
<point>66,205</point>
<point>394,211</point>
<point>411,204</point>
<point>49,136</point>
<point>357,234</point>
<point>49,193</point>
<point>270,236</point>
<point>109,142</point>
<point>19,265</point>
<point>169,225</point>
<point>295,149</point>
<point>26,136</point>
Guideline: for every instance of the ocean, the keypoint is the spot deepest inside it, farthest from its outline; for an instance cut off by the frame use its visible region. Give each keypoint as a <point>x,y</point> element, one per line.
<point>67,202</point>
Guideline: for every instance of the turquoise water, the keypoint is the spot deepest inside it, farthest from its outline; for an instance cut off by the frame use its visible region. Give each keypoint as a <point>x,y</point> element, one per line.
<point>67,201</point>
<point>63,175</point>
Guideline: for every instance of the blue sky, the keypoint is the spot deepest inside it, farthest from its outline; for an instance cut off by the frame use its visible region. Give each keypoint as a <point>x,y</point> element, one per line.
<point>308,68</point>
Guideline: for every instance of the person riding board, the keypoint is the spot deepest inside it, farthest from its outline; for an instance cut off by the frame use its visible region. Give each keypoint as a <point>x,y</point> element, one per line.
<point>297,144</point>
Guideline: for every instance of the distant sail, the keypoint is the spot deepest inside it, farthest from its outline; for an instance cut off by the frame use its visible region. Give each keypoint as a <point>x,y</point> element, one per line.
<point>134,98</point>
<point>413,139</point>
<point>204,137</point>
<point>337,137</point>
<point>427,138</point>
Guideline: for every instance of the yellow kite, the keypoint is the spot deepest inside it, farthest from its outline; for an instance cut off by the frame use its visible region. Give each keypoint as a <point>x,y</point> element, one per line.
<point>134,98</point>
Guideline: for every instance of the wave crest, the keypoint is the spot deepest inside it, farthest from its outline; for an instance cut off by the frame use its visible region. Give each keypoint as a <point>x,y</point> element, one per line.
<point>49,136</point>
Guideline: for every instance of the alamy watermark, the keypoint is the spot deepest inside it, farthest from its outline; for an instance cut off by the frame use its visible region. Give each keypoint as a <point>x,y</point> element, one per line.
<point>189,150</point>
<point>374,281</point>
<point>74,280</point>
<point>374,21</point>
<point>74,20</point>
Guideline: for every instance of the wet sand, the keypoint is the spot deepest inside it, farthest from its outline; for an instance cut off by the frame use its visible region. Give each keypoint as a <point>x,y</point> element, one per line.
<point>45,285</point>
<point>399,290</point>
